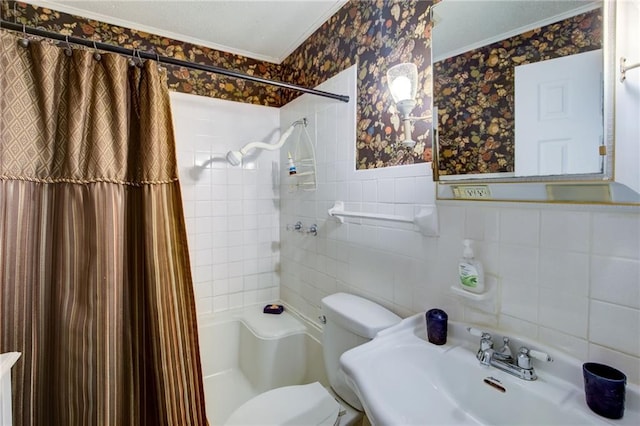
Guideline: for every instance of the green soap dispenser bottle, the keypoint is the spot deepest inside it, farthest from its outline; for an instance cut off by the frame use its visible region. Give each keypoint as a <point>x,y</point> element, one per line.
<point>470,270</point>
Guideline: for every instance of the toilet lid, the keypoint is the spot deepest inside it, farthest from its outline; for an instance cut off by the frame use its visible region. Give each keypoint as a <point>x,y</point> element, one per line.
<point>290,405</point>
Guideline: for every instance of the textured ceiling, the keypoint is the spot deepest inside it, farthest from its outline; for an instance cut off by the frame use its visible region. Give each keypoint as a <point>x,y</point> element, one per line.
<point>268,30</point>
<point>462,25</point>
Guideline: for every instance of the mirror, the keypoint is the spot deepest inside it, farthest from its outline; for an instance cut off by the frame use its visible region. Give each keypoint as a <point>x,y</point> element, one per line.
<point>504,83</point>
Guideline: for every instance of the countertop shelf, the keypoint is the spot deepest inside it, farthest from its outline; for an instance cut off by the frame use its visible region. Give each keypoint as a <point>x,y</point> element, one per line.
<point>486,302</point>
<point>472,296</point>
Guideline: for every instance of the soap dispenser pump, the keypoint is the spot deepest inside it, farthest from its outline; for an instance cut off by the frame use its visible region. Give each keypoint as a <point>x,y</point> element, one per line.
<point>470,270</point>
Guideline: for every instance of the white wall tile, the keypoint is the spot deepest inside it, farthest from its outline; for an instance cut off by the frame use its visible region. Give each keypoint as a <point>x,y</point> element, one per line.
<point>616,280</point>
<point>386,190</point>
<point>520,299</point>
<point>562,311</point>
<point>220,287</point>
<point>355,192</point>
<point>474,227</point>
<point>565,230</point>
<point>569,344</point>
<point>202,273</point>
<point>629,365</point>
<point>564,271</point>
<point>369,191</point>
<point>519,263</point>
<point>616,327</point>
<point>519,226</point>
<point>404,190</point>
<point>204,305</point>
<point>236,300</point>
<point>616,234</point>
<point>424,190</point>
<point>203,290</point>
<point>518,326</point>
<point>452,224</point>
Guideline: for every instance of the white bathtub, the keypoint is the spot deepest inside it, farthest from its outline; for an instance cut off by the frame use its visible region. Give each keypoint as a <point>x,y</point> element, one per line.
<point>245,352</point>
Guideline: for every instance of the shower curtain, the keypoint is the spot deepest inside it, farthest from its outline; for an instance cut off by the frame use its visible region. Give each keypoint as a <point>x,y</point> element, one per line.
<point>95,284</point>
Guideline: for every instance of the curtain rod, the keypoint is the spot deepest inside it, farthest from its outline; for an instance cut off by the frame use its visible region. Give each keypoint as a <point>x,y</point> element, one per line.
<point>165,59</point>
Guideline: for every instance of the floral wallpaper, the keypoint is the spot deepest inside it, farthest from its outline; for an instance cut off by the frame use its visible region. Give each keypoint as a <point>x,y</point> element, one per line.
<point>373,34</point>
<point>179,79</point>
<point>474,93</point>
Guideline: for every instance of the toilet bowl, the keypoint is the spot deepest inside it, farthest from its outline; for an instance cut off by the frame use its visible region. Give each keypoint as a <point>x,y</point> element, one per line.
<point>350,322</point>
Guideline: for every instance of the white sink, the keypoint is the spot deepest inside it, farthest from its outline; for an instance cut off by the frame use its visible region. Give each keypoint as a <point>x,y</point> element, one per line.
<point>402,379</point>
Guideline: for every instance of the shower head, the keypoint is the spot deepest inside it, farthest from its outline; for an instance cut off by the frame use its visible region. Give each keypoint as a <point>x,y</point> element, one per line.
<point>234,157</point>
<point>195,172</point>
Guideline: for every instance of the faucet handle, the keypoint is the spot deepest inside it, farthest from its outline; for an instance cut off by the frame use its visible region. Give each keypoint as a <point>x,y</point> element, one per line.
<point>485,338</point>
<point>477,333</point>
<point>524,361</point>
<point>542,356</point>
<point>525,355</point>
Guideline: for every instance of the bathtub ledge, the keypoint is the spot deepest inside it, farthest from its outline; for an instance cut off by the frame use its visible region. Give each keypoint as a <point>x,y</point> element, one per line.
<point>264,326</point>
<point>269,326</point>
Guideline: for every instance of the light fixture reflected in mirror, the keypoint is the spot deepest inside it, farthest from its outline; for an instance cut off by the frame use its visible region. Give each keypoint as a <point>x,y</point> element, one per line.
<point>403,85</point>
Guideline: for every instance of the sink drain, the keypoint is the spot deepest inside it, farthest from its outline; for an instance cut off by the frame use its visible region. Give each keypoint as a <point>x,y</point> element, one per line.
<point>495,383</point>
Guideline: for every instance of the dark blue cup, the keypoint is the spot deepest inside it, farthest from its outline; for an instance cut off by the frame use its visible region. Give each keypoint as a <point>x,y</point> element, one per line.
<point>604,389</point>
<point>437,326</point>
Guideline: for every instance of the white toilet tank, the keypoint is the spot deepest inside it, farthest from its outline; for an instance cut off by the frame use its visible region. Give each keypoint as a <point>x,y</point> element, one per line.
<point>350,322</point>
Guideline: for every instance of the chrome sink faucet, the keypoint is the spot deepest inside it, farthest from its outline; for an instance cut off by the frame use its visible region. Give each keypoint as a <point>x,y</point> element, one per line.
<point>504,353</point>
<point>502,358</point>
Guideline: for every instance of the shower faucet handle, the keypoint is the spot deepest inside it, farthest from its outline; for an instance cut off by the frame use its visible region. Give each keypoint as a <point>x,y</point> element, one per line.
<point>297,227</point>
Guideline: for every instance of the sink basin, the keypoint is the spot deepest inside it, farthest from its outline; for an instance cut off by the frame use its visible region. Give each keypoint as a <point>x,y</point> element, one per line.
<point>402,379</point>
<point>477,387</point>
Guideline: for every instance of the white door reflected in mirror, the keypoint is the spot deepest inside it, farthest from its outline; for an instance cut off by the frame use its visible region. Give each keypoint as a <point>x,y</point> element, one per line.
<point>558,116</point>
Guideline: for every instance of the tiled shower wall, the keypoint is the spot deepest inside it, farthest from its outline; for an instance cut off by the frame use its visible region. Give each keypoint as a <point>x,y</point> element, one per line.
<point>568,275</point>
<point>231,212</point>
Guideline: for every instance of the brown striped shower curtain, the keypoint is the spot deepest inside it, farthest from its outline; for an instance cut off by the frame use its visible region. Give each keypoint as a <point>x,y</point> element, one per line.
<point>95,284</point>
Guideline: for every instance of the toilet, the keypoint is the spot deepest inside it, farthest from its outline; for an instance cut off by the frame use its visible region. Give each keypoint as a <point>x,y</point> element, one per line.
<point>350,322</point>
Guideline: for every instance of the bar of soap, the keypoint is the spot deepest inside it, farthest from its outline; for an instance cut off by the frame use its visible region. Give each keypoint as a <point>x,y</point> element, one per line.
<point>273,309</point>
